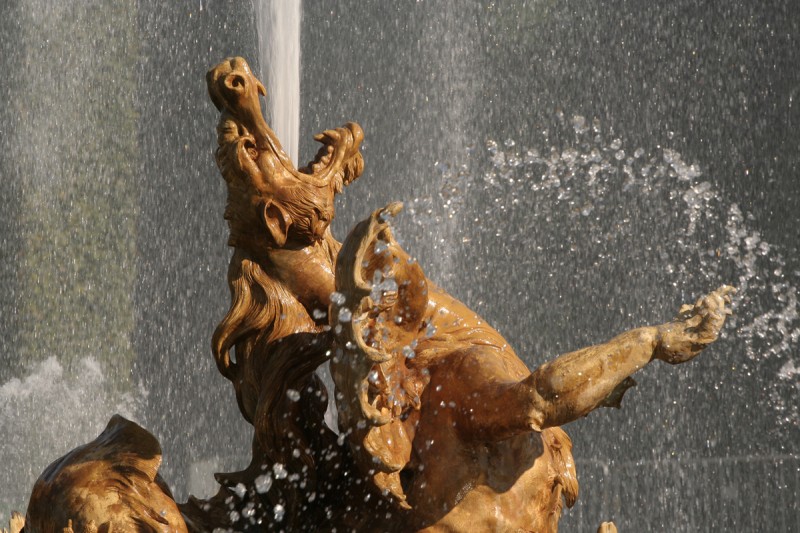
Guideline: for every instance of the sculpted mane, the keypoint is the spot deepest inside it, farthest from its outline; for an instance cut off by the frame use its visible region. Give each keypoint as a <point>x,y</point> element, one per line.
<point>262,310</point>
<point>251,325</point>
<point>268,344</point>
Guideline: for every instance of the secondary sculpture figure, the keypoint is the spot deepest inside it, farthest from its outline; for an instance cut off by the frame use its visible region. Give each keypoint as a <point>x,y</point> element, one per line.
<point>441,426</point>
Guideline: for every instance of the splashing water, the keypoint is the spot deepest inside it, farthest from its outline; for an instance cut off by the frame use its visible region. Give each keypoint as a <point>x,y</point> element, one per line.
<point>603,198</point>
<point>49,412</point>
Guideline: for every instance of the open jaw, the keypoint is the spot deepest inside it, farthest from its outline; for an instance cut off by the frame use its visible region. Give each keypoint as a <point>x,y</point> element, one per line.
<point>236,92</point>
<point>339,159</point>
<point>347,139</point>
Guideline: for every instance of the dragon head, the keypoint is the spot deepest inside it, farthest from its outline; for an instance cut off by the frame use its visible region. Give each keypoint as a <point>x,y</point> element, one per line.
<point>265,190</point>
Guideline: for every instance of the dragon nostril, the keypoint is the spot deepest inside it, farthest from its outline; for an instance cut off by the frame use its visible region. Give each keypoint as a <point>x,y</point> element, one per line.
<point>235,82</point>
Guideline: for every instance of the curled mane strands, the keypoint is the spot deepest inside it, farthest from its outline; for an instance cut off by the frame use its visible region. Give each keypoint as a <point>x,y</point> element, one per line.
<point>262,311</point>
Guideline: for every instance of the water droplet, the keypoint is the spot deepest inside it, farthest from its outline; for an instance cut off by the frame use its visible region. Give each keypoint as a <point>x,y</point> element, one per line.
<point>338,298</point>
<point>345,315</point>
<point>280,471</point>
<point>381,246</point>
<point>278,512</point>
<point>263,483</point>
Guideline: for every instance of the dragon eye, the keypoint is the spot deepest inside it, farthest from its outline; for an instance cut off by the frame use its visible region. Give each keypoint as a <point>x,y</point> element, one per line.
<point>250,146</point>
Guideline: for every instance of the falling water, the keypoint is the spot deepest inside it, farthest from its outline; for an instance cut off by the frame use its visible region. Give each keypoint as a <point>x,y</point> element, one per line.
<point>561,231</point>
<point>51,410</point>
<point>105,193</point>
<point>68,156</point>
<point>279,59</point>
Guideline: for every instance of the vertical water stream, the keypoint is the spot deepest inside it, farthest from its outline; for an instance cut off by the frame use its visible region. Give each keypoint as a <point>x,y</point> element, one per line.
<point>279,64</point>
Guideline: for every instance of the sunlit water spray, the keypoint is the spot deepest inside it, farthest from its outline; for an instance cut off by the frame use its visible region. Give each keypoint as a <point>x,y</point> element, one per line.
<point>570,235</point>
<point>279,59</point>
<point>50,411</point>
<point>594,201</point>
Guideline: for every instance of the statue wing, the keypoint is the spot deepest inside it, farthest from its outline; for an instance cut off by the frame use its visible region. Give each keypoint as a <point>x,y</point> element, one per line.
<point>377,313</point>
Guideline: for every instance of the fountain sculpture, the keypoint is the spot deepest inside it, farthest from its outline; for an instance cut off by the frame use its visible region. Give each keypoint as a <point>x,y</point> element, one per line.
<point>441,427</point>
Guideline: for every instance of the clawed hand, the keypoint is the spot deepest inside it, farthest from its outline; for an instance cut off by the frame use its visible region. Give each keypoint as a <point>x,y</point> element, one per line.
<point>695,327</point>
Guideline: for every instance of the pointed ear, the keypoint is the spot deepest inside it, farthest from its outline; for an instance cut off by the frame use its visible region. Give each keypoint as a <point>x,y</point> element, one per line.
<point>277,221</point>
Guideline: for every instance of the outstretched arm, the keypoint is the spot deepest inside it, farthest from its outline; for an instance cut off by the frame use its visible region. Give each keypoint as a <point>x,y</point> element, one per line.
<point>578,382</point>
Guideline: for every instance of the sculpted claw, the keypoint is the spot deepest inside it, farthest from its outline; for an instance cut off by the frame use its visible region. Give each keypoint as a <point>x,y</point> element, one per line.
<point>695,327</point>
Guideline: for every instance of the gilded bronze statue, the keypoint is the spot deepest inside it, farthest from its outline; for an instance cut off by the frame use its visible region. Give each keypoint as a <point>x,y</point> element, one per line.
<point>441,427</point>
